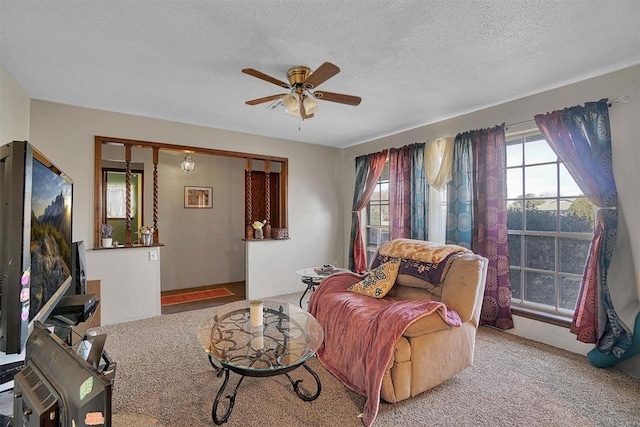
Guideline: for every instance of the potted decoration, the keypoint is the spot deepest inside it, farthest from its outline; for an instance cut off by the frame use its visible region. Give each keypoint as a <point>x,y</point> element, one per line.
<point>145,235</point>
<point>257,227</point>
<point>107,235</point>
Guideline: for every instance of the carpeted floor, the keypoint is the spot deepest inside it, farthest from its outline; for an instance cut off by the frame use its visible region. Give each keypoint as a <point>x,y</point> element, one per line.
<point>164,374</point>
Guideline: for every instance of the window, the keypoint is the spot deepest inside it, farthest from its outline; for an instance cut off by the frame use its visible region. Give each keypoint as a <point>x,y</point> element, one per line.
<point>116,198</point>
<point>550,225</point>
<point>378,214</point>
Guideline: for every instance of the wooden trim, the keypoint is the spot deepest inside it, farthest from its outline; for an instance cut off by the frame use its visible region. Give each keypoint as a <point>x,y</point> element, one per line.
<point>284,195</point>
<point>128,241</point>
<point>541,317</point>
<point>97,192</point>
<point>99,187</point>
<point>156,198</point>
<point>176,147</point>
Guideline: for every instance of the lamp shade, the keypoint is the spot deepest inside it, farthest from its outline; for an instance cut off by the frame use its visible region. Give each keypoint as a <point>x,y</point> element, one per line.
<point>310,105</point>
<point>291,101</point>
<point>188,164</point>
<point>294,113</point>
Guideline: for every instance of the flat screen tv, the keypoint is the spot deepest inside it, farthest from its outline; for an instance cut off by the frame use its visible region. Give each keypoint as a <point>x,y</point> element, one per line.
<point>57,387</point>
<point>35,240</point>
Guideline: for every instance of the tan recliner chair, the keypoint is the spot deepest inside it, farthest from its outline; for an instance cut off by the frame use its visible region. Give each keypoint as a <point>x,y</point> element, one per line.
<point>431,351</point>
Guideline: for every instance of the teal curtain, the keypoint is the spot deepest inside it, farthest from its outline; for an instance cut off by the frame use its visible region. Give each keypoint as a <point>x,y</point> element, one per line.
<point>460,194</point>
<point>419,192</point>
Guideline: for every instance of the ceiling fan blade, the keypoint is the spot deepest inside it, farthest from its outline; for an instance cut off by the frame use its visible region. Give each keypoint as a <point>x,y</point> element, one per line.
<point>265,99</point>
<point>265,77</point>
<point>321,75</point>
<point>337,97</point>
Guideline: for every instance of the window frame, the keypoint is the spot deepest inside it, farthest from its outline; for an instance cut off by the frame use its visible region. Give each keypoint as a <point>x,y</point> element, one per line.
<point>370,247</point>
<point>550,313</point>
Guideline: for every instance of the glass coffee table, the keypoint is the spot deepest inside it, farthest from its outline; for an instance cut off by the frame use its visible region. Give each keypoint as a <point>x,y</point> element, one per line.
<point>259,341</point>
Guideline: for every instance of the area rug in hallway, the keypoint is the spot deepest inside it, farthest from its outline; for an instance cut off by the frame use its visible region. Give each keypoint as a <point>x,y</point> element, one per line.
<point>195,296</point>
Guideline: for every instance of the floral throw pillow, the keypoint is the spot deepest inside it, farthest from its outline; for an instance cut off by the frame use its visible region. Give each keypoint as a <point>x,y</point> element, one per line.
<point>379,281</point>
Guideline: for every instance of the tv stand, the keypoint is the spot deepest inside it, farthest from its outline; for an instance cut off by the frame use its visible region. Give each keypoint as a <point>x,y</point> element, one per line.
<point>71,311</point>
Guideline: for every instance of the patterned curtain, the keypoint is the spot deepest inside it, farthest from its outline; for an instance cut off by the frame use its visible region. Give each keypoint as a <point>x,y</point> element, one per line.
<point>460,193</point>
<point>581,137</point>
<point>400,192</point>
<point>419,191</point>
<point>490,237</point>
<point>368,170</point>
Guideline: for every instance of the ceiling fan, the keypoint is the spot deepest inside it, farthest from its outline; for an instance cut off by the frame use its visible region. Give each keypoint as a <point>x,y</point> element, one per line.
<point>300,100</point>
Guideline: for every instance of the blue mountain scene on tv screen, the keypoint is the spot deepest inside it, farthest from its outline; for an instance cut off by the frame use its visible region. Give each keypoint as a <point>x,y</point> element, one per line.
<point>50,235</point>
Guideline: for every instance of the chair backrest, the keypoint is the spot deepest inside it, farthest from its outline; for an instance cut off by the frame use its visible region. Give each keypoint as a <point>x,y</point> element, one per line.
<point>458,275</point>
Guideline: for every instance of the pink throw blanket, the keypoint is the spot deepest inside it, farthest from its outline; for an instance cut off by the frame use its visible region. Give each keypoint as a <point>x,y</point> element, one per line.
<point>360,333</point>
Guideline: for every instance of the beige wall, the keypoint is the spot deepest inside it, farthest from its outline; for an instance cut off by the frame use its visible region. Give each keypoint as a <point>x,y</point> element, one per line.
<point>65,134</point>
<point>14,110</point>
<point>320,186</point>
<point>204,245</point>
<point>626,164</point>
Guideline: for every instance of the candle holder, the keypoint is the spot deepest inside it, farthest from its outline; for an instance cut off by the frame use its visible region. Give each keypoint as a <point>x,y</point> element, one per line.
<point>257,338</point>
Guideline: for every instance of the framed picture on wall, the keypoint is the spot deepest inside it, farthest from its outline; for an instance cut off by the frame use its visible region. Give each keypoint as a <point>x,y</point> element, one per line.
<point>198,197</point>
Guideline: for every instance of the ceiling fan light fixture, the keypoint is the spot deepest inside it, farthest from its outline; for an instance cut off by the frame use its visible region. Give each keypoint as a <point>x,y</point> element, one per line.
<point>310,105</point>
<point>291,102</point>
<point>188,164</point>
<point>294,113</point>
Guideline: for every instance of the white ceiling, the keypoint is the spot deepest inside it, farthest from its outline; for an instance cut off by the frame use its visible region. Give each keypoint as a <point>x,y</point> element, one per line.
<point>412,62</point>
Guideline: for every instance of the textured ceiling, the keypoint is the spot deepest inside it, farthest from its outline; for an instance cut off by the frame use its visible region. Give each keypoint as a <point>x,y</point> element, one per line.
<point>412,62</point>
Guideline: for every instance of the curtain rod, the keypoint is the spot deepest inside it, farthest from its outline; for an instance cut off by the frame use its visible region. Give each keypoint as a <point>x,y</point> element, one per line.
<point>624,99</point>
<point>620,100</point>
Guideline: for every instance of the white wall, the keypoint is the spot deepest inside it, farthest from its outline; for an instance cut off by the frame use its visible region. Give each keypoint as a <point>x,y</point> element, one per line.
<point>626,164</point>
<point>66,135</point>
<point>14,126</point>
<point>14,110</point>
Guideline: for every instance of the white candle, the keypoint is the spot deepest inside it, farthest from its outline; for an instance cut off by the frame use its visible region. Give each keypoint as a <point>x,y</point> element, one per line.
<point>255,313</point>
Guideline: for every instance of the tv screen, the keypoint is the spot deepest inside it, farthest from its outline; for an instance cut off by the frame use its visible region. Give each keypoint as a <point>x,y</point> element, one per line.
<point>50,234</point>
<point>35,240</point>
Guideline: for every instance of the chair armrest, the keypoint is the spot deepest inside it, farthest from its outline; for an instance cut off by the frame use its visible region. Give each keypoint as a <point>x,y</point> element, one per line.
<point>426,325</point>
<point>463,288</point>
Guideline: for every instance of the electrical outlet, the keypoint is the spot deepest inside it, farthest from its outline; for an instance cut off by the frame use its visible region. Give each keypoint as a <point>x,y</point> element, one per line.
<point>153,255</point>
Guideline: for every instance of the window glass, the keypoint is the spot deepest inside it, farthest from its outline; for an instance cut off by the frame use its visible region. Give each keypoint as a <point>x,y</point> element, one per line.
<point>541,181</point>
<point>568,186</point>
<point>536,150</point>
<point>515,249</point>
<point>377,228</point>
<point>550,224</point>
<point>540,252</point>
<point>514,153</point>
<point>542,214</point>
<point>569,289</point>
<point>516,187</point>
<point>573,254</point>
<point>540,288</point>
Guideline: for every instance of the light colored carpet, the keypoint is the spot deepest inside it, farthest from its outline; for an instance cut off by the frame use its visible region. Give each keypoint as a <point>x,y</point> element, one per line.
<point>164,374</point>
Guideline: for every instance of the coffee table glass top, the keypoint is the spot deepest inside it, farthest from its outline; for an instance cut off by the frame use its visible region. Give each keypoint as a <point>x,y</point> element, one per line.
<point>287,337</point>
